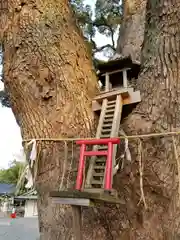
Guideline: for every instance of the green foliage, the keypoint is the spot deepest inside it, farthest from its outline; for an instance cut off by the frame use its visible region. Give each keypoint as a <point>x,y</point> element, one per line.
<point>15,174</point>
<point>108,16</point>
<point>84,15</point>
<point>11,175</point>
<point>106,20</point>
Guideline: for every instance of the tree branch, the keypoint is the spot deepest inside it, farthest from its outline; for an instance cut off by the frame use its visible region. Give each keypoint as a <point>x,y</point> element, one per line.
<point>112,36</point>
<point>103,47</point>
<point>110,29</point>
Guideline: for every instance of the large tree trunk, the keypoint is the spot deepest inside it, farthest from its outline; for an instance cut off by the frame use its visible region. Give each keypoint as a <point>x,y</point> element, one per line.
<point>51,82</point>
<point>158,112</point>
<point>131,34</point>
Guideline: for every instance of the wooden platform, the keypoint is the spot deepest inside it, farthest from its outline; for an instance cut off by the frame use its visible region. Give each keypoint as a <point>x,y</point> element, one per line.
<point>73,197</point>
<point>73,201</point>
<point>113,93</point>
<point>128,97</point>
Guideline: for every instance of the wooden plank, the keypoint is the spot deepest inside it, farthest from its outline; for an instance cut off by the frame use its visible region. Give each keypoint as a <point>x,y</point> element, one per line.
<point>94,190</point>
<point>116,71</point>
<point>134,97</point>
<point>112,94</point>
<point>72,201</point>
<point>125,80</point>
<point>96,106</point>
<point>98,133</point>
<point>70,194</point>
<point>116,125</point>
<point>101,191</point>
<point>117,117</point>
<point>77,222</point>
<point>95,197</point>
<point>101,119</point>
<point>107,83</point>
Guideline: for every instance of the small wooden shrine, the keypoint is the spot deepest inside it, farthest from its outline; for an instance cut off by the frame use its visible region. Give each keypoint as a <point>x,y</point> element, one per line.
<point>117,78</point>
<point>117,98</point>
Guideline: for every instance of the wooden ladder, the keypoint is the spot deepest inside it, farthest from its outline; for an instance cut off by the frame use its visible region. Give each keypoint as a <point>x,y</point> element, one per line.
<point>108,127</point>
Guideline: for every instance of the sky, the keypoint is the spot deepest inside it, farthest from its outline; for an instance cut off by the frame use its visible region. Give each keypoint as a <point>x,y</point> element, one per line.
<point>10,137</point>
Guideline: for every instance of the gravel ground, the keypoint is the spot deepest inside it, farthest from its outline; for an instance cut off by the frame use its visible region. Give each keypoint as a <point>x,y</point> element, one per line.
<point>19,229</point>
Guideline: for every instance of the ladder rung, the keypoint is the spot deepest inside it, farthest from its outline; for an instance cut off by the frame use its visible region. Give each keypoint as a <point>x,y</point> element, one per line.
<point>95,153</point>
<point>107,125</point>
<point>111,102</point>
<point>97,182</point>
<point>106,130</point>
<point>110,106</point>
<point>105,135</point>
<point>109,110</point>
<point>109,116</point>
<point>98,174</point>
<point>99,167</point>
<point>108,121</point>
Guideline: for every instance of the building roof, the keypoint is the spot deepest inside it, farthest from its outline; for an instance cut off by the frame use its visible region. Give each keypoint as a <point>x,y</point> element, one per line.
<point>7,189</point>
<point>116,64</point>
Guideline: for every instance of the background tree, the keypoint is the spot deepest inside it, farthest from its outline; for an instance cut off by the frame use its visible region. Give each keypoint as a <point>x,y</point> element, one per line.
<point>105,18</point>
<point>14,174</point>
<point>11,175</point>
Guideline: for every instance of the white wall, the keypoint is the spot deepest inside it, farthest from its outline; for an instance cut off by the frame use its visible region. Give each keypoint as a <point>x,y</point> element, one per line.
<point>31,208</point>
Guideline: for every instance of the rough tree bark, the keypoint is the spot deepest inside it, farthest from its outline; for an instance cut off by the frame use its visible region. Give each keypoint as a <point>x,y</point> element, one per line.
<point>46,66</point>
<point>132,29</point>
<point>158,112</point>
<point>51,82</point>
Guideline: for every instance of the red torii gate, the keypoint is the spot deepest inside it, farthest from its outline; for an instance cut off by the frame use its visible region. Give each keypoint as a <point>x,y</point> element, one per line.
<point>108,153</point>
